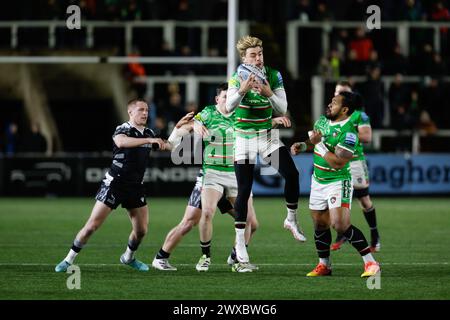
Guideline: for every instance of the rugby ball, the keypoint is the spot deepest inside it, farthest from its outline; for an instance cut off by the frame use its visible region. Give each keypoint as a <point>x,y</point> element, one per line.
<point>244,70</point>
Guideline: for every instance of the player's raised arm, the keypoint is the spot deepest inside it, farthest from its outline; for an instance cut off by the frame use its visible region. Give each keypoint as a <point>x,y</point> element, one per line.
<point>183,127</point>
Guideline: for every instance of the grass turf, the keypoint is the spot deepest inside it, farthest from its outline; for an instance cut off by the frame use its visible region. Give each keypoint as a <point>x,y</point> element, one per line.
<point>35,234</point>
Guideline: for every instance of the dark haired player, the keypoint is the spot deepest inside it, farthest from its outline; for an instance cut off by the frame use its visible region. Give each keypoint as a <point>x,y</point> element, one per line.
<point>360,172</point>
<point>334,139</point>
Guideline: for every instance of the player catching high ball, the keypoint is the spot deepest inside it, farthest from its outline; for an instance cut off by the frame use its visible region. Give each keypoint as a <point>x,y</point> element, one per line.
<point>254,101</point>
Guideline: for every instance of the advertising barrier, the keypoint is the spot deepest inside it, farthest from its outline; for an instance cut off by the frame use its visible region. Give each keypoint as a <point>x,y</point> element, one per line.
<point>80,175</point>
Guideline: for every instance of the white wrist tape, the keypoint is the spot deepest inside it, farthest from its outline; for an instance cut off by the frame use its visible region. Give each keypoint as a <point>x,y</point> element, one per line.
<point>176,135</point>
<point>321,149</point>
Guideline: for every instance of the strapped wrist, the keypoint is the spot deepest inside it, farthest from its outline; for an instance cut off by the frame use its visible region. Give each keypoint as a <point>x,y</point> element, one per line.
<point>321,149</point>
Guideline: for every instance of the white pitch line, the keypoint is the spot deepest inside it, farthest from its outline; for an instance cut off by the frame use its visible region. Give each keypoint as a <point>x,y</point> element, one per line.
<point>259,264</point>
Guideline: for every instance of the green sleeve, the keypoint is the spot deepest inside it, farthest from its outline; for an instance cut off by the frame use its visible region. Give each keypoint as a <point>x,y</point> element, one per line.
<point>348,141</point>
<point>234,81</point>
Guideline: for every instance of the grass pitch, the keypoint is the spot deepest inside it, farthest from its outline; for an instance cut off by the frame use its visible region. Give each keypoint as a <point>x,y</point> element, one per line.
<point>35,234</point>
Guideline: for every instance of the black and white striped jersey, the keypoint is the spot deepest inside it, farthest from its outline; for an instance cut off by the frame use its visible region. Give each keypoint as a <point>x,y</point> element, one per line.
<point>129,164</point>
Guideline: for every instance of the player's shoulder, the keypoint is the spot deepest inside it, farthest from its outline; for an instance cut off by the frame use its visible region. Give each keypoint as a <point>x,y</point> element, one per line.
<point>205,113</point>
<point>124,128</point>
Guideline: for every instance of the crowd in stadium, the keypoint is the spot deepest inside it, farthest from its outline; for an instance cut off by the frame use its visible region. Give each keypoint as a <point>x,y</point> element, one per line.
<point>306,10</point>
<point>413,105</point>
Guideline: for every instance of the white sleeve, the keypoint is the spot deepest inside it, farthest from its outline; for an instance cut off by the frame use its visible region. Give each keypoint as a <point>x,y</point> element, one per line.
<point>279,101</point>
<point>176,135</point>
<point>233,99</point>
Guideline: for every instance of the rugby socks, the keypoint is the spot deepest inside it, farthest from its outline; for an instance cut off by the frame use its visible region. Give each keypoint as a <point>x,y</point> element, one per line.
<point>240,237</point>
<point>162,254</point>
<point>76,248</point>
<point>357,240</point>
<point>206,248</point>
<point>289,172</point>
<point>371,219</point>
<point>131,248</point>
<point>244,176</point>
<point>322,240</point>
<point>291,213</point>
<point>233,253</point>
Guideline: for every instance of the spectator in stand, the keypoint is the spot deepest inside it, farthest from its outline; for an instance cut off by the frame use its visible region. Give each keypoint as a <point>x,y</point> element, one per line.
<point>398,63</point>
<point>11,138</point>
<point>191,107</point>
<point>136,70</point>
<point>34,141</point>
<point>398,97</point>
<point>406,116</point>
<point>112,10</point>
<point>322,13</point>
<point>374,98</point>
<point>302,11</point>
<point>362,45</point>
<point>413,11</point>
<point>131,11</point>
<point>330,67</point>
<point>441,13</point>
<point>433,97</point>
<point>175,109</point>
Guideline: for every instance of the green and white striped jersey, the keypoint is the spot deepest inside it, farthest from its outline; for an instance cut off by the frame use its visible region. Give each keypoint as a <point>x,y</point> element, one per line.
<point>218,153</point>
<point>254,113</point>
<point>340,134</point>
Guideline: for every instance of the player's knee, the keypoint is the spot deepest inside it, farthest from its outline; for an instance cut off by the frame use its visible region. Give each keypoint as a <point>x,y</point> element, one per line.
<point>187,225</point>
<point>254,226</point>
<point>208,212</point>
<point>140,232</point>
<point>90,228</point>
<point>320,226</point>
<point>340,226</point>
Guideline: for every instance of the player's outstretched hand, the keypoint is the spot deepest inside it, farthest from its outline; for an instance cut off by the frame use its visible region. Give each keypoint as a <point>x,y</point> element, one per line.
<point>188,117</point>
<point>158,141</point>
<point>283,121</point>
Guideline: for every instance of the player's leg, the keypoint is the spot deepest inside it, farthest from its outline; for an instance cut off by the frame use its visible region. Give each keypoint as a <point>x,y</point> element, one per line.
<point>250,229</point>
<point>371,218</point>
<point>339,203</point>
<point>282,161</point>
<point>246,150</point>
<point>322,240</point>
<point>139,222</point>
<point>318,207</point>
<point>99,213</point>
<point>210,198</point>
<point>244,176</point>
<point>190,219</point>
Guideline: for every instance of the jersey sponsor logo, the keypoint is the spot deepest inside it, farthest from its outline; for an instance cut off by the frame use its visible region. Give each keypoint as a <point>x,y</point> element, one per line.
<point>350,139</point>
<point>333,200</point>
